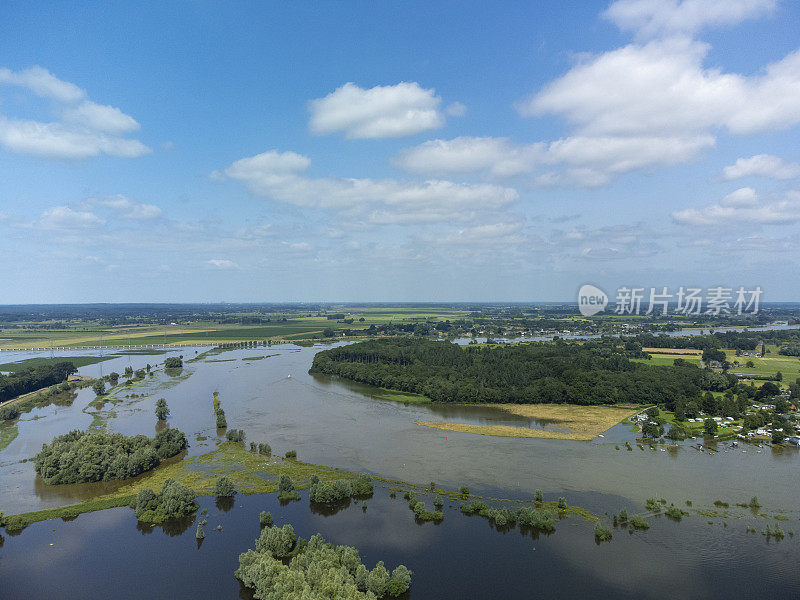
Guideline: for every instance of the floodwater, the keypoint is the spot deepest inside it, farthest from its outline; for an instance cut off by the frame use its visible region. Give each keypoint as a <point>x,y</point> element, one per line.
<point>337,423</point>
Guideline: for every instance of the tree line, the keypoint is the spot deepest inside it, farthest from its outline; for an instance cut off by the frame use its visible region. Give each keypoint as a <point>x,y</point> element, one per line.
<point>35,378</point>
<point>586,373</point>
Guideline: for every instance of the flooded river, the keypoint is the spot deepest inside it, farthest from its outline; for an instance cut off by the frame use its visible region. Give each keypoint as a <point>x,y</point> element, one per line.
<point>338,423</point>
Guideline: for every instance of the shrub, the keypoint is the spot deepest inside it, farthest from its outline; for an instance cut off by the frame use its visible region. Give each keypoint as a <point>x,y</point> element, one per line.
<point>652,505</point>
<point>674,513</point>
<point>15,523</point>
<point>538,497</point>
<point>175,500</point>
<point>601,534</point>
<point>99,388</point>
<point>464,490</point>
<point>330,493</point>
<point>362,486</point>
<point>221,422</point>
<point>623,516</point>
<point>291,454</point>
<point>173,362</point>
<point>535,519</point>
<point>562,504</point>
<point>288,496</point>
<point>285,484</point>
<point>638,522</point>
<point>235,435</point>
<point>473,507</point>
<point>224,488</point>
<point>438,502</point>
<point>265,519</point>
<point>8,412</point>
<point>200,533</point>
<point>264,449</point>
<point>754,503</point>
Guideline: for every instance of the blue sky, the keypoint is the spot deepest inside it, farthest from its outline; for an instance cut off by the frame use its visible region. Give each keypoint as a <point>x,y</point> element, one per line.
<point>414,151</point>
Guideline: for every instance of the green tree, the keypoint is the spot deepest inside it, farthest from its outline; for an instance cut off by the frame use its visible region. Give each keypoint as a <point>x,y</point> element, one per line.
<point>710,426</point>
<point>162,410</point>
<point>99,387</point>
<point>224,488</point>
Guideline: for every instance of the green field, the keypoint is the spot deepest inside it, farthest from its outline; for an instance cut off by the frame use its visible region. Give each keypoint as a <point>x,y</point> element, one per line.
<point>28,363</point>
<point>768,366</point>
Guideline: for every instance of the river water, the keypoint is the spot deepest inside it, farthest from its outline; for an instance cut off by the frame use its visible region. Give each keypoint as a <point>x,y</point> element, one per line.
<point>338,423</point>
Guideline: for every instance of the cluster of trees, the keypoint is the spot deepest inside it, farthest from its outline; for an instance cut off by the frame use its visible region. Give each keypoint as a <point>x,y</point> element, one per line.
<point>592,372</point>
<point>790,349</point>
<point>421,513</point>
<point>173,362</point>
<point>260,448</point>
<point>81,456</point>
<point>8,412</point>
<point>235,435</point>
<point>175,500</point>
<point>526,516</point>
<point>342,489</point>
<point>317,569</point>
<point>35,378</point>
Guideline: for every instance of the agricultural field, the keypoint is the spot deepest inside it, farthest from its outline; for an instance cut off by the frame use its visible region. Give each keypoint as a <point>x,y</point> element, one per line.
<point>282,327</point>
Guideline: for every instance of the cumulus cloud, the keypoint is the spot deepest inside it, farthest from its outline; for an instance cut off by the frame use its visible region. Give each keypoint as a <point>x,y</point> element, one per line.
<point>662,88</point>
<point>63,217</point>
<point>42,83</point>
<point>100,118</point>
<point>744,207</point>
<point>280,176</point>
<point>764,165</point>
<point>588,160</point>
<point>650,18</point>
<point>221,263</point>
<point>378,112</point>
<point>85,128</point>
<point>57,140</point>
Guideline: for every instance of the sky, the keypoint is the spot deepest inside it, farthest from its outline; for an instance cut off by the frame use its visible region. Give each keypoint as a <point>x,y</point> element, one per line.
<point>396,151</point>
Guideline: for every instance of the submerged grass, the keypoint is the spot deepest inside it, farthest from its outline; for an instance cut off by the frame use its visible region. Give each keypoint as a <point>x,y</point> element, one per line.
<point>583,423</point>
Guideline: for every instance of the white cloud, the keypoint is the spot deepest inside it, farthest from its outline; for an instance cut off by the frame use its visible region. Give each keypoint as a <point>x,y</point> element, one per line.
<point>378,112</point>
<point>278,176</point>
<point>588,160</point>
<point>42,83</point>
<point>456,109</point>
<point>743,197</point>
<point>63,217</point>
<point>126,208</point>
<point>101,118</point>
<point>56,140</point>
<point>86,129</point>
<point>221,263</point>
<point>662,88</point>
<point>667,17</point>
<point>744,207</point>
<point>764,165</point>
